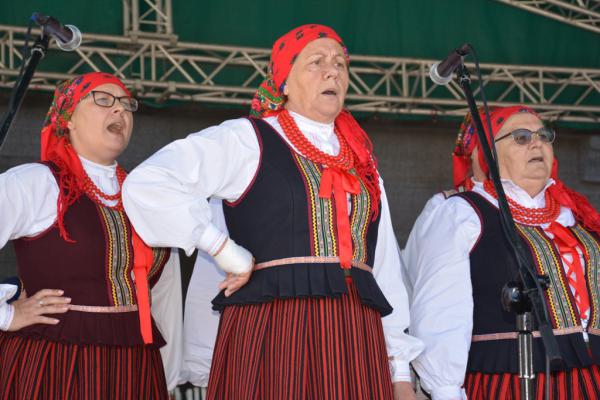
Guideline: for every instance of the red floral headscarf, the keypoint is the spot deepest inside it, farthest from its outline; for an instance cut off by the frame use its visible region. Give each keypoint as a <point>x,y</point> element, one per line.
<point>566,196</point>
<point>57,148</point>
<point>269,100</point>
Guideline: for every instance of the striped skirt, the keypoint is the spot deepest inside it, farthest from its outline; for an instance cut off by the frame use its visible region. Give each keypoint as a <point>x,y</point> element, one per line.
<point>43,369</point>
<point>575,384</point>
<point>301,348</point>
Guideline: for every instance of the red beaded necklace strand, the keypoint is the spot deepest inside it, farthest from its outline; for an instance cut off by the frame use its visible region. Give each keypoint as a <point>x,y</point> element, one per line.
<point>344,160</point>
<point>529,216</point>
<point>99,197</point>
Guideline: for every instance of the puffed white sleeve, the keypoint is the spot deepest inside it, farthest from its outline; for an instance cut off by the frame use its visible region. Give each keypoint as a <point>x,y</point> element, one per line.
<point>28,195</point>
<point>387,270</point>
<point>442,302</point>
<point>166,197</point>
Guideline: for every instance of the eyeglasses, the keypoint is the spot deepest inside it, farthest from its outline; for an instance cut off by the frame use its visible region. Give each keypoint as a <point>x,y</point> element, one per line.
<point>525,136</point>
<point>104,99</point>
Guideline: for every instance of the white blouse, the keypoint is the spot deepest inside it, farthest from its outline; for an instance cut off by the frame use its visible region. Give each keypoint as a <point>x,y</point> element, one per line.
<point>438,271</point>
<point>166,199</point>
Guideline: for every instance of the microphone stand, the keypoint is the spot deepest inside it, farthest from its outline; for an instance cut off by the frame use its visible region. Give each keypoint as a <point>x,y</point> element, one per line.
<point>38,52</point>
<point>525,296</point>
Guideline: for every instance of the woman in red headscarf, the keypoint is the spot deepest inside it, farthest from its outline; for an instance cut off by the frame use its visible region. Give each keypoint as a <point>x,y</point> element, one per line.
<point>91,337</point>
<point>310,236</point>
<point>461,267</point>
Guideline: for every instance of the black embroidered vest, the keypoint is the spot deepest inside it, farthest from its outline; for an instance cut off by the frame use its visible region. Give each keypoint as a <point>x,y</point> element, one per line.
<point>494,344</point>
<point>281,216</point>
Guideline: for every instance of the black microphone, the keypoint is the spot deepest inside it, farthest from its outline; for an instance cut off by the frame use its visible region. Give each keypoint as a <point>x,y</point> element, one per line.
<point>67,37</point>
<point>441,73</point>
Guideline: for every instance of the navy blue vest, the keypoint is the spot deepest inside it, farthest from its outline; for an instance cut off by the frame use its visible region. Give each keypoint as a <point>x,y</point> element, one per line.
<point>493,265</point>
<point>280,216</point>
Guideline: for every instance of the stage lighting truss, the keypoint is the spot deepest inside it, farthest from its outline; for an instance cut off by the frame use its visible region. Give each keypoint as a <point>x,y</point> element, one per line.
<point>159,68</point>
<point>584,14</point>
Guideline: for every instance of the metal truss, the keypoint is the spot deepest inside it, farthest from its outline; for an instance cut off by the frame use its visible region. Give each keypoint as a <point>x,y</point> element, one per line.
<point>149,18</point>
<point>159,70</point>
<point>584,14</point>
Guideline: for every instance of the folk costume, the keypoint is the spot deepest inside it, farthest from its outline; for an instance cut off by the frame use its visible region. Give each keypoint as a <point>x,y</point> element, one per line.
<point>70,232</point>
<point>460,267</point>
<point>306,200</point>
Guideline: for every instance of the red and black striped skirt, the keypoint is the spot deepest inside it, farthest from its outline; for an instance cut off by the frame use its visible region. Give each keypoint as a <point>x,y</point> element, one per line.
<point>43,369</point>
<point>575,384</point>
<point>301,348</point>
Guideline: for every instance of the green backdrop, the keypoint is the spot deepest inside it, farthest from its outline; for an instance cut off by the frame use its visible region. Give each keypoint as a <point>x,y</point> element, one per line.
<point>424,29</point>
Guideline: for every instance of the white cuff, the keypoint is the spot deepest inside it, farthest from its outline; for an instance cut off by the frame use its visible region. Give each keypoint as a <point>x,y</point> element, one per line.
<point>7,291</point>
<point>211,239</point>
<point>448,393</point>
<point>400,370</point>
<point>7,312</point>
<point>233,258</point>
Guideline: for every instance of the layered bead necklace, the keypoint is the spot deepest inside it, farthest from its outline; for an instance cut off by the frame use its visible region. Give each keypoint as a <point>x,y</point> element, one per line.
<point>99,197</point>
<point>529,216</point>
<point>344,160</point>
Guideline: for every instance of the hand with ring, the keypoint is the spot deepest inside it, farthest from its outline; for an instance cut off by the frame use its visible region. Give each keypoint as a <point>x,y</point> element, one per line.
<point>33,310</point>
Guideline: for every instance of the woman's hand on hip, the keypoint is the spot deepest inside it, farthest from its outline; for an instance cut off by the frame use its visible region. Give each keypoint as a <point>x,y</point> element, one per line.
<point>234,281</point>
<point>33,310</point>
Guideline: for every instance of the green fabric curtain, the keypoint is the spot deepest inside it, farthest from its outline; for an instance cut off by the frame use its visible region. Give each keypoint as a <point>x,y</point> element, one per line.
<point>424,28</point>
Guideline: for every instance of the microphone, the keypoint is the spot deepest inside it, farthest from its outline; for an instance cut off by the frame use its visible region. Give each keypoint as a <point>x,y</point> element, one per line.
<point>441,73</point>
<point>67,37</point>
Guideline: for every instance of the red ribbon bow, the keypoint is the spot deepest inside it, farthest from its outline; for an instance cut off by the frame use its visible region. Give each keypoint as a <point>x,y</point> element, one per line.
<point>567,244</point>
<point>340,183</point>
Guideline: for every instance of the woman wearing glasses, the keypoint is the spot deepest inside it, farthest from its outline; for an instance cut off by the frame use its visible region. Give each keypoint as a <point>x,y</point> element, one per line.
<point>464,261</point>
<point>85,331</point>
